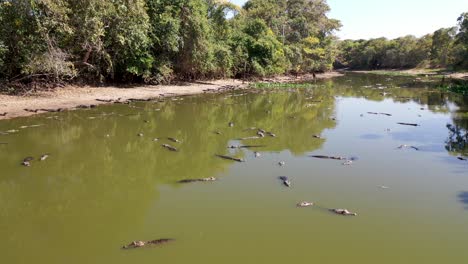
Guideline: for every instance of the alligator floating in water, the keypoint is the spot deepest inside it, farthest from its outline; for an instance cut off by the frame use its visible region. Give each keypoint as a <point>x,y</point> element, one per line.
<point>246,146</point>
<point>27,161</point>
<point>245,138</point>
<point>328,157</point>
<point>408,146</point>
<point>173,140</point>
<point>305,204</point>
<point>342,212</point>
<point>138,244</point>
<point>230,158</point>
<point>408,124</point>
<point>44,157</point>
<point>198,180</point>
<point>169,147</point>
<point>285,181</point>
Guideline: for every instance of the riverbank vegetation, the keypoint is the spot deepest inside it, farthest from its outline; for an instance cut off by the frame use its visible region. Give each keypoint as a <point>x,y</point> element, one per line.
<point>158,41</point>
<point>445,48</point>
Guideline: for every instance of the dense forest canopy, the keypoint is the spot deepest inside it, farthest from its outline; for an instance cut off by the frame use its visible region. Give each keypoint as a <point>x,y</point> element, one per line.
<point>445,48</point>
<point>159,40</point>
<point>156,41</point>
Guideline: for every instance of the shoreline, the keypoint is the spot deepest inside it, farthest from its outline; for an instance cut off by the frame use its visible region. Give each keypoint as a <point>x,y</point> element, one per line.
<point>417,73</point>
<point>73,97</point>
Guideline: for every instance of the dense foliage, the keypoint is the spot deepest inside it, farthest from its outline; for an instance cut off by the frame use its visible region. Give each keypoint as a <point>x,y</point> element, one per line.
<point>446,48</point>
<point>159,40</point>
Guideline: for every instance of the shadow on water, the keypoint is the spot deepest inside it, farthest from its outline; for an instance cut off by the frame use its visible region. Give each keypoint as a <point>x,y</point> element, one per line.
<point>463,198</point>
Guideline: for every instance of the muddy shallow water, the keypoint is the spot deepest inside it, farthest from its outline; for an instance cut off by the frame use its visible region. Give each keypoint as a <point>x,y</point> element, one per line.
<point>104,185</point>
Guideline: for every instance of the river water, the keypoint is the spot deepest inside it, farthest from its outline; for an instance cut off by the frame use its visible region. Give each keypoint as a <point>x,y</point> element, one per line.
<point>104,185</point>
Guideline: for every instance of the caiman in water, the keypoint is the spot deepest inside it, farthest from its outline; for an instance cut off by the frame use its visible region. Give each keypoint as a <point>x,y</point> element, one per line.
<point>173,140</point>
<point>27,161</point>
<point>408,124</point>
<point>230,158</point>
<point>342,212</point>
<point>247,146</point>
<point>305,204</point>
<point>285,181</point>
<point>328,157</point>
<point>169,147</point>
<point>138,244</point>
<point>198,180</point>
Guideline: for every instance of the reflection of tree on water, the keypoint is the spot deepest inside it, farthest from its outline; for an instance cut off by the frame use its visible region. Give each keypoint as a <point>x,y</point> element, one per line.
<point>463,197</point>
<point>457,140</point>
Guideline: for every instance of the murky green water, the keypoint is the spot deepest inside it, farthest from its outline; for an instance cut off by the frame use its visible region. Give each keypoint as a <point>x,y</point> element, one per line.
<point>104,186</point>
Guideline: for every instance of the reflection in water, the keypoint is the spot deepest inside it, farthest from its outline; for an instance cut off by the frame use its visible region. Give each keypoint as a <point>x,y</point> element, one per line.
<point>463,197</point>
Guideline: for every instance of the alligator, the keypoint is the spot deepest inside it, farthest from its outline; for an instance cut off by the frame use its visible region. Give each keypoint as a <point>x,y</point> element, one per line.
<point>305,204</point>
<point>31,110</point>
<point>197,180</point>
<point>245,138</point>
<point>343,212</point>
<point>246,146</point>
<point>408,124</point>
<point>173,140</point>
<point>27,161</point>
<point>285,181</point>
<point>105,100</point>
<point>328,157</point>
<point>230,158</point>
<point>407,146</point>
<point>169,147</point>
<point>138,244</point>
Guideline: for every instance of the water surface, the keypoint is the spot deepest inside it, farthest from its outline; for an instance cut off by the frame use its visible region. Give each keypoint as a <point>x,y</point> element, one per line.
<point>104,186</point>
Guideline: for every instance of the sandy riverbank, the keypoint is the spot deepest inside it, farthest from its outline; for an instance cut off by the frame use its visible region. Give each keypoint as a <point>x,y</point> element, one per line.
<point>419,72</point>
<point>70,97</point>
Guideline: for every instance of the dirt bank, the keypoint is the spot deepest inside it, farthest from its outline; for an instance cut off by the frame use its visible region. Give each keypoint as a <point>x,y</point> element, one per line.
<point>419,72</point>
<point>70,97</point>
